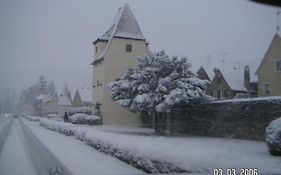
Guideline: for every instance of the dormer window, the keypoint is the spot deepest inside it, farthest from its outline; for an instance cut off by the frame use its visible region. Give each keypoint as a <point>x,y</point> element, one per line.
<point>278,65</point>
<point>128,48</point>
<point>96,49</point>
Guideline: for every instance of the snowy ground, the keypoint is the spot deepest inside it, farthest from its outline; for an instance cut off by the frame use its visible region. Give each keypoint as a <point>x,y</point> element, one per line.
<point>30,149</point>
<point>199,155</point>
<point>195,154</point>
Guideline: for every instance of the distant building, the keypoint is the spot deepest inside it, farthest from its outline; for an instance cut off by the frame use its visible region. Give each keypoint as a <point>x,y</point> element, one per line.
<point>117,48</point>
<point>82,97</point>
<point>64,101</point>
<point>49,104</point>
<point>269,70</point>
<point>77,101</point>
<point>46,104</point>
<point>226,84</point>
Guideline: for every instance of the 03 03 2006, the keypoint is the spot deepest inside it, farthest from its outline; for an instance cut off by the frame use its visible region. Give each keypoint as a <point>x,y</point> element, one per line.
<point>233,171</point>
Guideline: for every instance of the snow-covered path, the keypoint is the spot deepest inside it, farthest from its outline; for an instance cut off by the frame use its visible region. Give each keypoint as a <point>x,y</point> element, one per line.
<point>30,149</point>
<point>14,158</point>
<point>79,157</point>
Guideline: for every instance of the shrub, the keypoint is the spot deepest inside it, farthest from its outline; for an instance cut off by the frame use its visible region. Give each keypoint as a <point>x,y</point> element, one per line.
<point>80,118</point>
<point>93,119</point>
<point>273,137</point>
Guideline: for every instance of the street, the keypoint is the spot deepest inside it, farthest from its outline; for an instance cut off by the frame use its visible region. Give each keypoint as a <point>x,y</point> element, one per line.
<point>28,149</point>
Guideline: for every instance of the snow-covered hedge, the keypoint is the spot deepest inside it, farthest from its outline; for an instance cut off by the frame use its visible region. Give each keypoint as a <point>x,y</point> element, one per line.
<point>55,117</point>
<point>81,118</point>
<point>57,126</point>
<point>273,137</point>
<point>98,141</point>
<point>32,118</point>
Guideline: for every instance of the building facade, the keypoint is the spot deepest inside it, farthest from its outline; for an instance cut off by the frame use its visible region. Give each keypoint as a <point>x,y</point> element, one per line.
<point>114,51</point>
<point>269,70</point>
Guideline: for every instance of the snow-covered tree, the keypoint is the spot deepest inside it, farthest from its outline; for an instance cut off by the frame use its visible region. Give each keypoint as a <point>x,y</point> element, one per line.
<point>158,84</point>
<point>28,102</point>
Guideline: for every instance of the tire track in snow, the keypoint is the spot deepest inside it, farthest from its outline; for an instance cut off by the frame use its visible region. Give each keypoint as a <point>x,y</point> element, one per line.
<point>4,132</point>
<point>44,161</point>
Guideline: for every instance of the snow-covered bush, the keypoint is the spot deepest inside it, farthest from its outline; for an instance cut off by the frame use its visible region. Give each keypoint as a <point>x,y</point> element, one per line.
<point>80,118</point>
<point>273,137</point>
<point>158,84</point>
<point>92,119</point>
<point>75,110</point>
<point>52,115</point>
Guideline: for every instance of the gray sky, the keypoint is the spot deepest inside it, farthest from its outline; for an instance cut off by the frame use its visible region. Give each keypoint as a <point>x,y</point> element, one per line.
<point>54,37</point>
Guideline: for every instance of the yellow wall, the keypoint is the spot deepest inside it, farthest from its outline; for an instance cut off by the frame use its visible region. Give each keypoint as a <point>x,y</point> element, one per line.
<point>267,71</point>
<point>114,65</point>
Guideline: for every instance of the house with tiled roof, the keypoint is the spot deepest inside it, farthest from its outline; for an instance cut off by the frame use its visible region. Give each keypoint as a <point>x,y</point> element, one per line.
<point>117,48</point>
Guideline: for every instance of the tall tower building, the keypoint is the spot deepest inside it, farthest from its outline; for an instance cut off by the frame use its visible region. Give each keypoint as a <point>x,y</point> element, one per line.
<point>117,48</point>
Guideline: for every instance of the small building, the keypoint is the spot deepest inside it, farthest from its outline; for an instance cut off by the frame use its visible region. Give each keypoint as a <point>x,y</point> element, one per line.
<point>50,104</point>
<point>82,97</point>
<point>46,104</point>
<point>77,101</point>
<point>269,70</point>
<point>227,84</point>
<point>119,47</point>
<point>64,101</point>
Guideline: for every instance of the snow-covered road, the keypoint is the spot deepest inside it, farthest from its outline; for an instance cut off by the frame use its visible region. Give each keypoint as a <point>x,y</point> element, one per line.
<point>29,149</point>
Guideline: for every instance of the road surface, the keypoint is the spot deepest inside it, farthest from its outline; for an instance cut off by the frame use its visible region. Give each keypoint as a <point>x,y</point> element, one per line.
<point>28,149</point>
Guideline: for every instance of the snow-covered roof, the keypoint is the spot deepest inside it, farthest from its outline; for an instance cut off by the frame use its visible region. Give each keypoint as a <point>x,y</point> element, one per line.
<point>65,98</point>
<point>124,26</point>
<point>48,97</point>
<point>235,79</point>
<point>85,94</point>
<point>208,71</point>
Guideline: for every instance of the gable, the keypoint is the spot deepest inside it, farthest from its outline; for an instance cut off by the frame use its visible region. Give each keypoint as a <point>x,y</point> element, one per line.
<point>273,52</point>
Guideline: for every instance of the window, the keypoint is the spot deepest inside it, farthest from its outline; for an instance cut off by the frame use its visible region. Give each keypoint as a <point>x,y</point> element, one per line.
<point>278,65</point>
<point>128,48</point>
<point>267,88</point>
<point>219,79</point>
<point>96,49</point>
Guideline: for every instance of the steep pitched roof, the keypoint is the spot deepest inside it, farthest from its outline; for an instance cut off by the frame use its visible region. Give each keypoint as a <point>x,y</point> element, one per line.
<point>124,25</point>
<point>210,73</point>
<point>276,39</point>
<point>77,96</point>
<point>65,97</point>
<point>234,79</point>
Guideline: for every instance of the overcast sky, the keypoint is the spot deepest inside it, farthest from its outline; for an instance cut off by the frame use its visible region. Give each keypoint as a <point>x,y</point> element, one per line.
<point>54,37</point>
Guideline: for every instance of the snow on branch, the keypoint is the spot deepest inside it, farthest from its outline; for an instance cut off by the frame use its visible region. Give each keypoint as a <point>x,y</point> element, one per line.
<point>158,83</point>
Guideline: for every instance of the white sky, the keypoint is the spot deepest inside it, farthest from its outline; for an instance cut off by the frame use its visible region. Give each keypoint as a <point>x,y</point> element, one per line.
<point>54,37</point>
